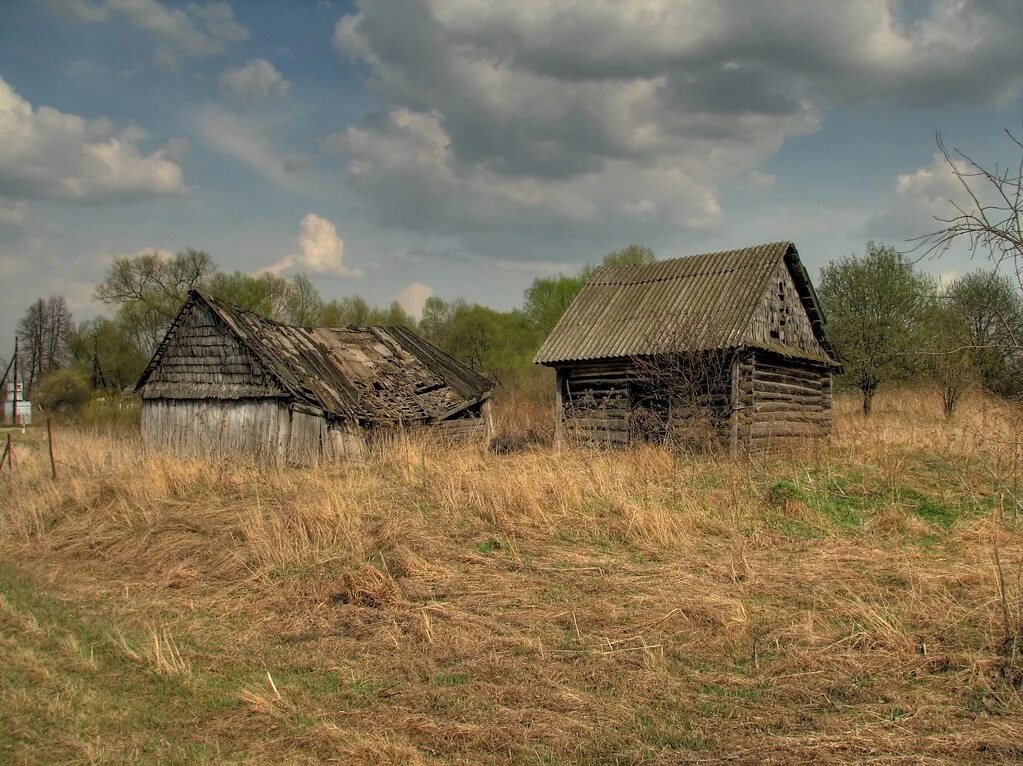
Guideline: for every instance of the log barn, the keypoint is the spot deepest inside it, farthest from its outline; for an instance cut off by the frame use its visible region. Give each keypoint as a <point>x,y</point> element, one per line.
<point>720,350</point>
<point>225,380</point>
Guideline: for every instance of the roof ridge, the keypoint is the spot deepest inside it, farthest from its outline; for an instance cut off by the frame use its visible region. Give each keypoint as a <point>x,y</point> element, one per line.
<point>621,306</point>
<point>762,246</point>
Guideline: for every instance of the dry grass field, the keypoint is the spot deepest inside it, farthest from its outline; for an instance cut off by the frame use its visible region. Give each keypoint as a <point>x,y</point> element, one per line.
<point>855,603</point>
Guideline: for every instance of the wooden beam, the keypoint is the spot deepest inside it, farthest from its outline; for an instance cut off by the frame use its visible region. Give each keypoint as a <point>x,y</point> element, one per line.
<point>559,408</point>
<point>733,417</point>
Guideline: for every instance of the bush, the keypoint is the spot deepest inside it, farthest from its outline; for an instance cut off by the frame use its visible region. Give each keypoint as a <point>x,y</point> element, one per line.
<point>111,413</point>
<point>62,391</point>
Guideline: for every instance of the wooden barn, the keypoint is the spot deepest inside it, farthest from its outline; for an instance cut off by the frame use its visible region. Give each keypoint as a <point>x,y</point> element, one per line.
<point>225,380</point>
<point>721,350</point>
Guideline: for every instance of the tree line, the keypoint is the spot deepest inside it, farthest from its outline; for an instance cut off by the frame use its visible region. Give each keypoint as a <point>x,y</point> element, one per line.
<point>889,323</point>
<point>145,292</point>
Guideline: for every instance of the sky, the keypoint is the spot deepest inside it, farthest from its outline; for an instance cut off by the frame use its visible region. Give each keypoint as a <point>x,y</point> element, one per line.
<point>462,148</point>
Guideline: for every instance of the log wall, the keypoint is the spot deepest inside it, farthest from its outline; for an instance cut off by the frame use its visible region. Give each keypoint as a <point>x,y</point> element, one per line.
<point>594,404</point>
<point>780,402</point>
<point>763,401</point>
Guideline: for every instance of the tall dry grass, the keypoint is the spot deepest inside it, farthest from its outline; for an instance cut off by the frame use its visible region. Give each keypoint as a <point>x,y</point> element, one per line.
<point>567,606</point>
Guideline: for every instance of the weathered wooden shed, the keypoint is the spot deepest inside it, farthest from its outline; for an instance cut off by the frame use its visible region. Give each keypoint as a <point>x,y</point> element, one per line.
<point>725,348</point>
<point>226,380</point>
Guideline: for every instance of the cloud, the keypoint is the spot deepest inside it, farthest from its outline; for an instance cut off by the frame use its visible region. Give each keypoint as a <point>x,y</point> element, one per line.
<point>505,121</point>
<point>13,214</point>
<point>47,154</point>
<point>80,294</point>
<point>413,298</point>
<point>756,180</point>
<point>81,10</point>
<point>321,250</point>
<point>11,266</point>
<point>256,79</point>
<point>198,31</point>
<point>931,188</point>
<point>920,196</point>
<point>242,139</point>
<point>220,21</point>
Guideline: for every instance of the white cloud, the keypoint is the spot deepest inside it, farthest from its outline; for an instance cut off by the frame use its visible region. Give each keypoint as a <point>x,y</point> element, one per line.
<point>82,10</point>
<point>47,154</point>
<point>257,78</point>
<point>599,118</point>
<point>932,188</point>
<point>321,250</point>
<point>756,180</point>
<point>921,196</point>
<point>11,266</point>
<point>195,32</point>
<point>80,294</point>
<point>413,298</point>
<point>12,214</point>
<point>242,139</point>
<point>946,278</point>
<point>220,21</point>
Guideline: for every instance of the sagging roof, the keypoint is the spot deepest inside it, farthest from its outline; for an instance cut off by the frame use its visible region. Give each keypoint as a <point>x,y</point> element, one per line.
<point>370,374</point>
<point>710,299</point>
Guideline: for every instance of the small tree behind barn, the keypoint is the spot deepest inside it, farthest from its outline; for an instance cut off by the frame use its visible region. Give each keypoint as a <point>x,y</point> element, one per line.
<point>724,350</point>
<point>880,310</point>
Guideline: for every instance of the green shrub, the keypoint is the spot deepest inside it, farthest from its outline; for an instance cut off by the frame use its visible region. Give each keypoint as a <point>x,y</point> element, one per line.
<point>63,391</point>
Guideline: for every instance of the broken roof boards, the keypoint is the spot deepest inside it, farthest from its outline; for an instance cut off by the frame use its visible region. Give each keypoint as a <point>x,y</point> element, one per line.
<point>227,379</point>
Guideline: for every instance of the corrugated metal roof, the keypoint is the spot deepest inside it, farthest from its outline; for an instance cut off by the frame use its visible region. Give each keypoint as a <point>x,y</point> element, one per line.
<point>709,299</point>
<point>378,374</point>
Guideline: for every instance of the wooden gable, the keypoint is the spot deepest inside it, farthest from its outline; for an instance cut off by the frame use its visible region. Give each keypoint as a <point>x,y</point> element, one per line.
<point>781,319</point>
<point>202,359</point>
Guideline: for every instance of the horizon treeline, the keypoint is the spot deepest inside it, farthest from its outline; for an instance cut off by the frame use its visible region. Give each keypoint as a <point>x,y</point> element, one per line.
<point>888,322</point>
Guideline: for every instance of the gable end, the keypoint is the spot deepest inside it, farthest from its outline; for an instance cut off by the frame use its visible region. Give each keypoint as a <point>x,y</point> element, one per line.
<point>202,358</point>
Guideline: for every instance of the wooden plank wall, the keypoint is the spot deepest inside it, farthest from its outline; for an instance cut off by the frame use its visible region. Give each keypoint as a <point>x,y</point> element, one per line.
<point>471,426</point>
<point>462,429</point>
<point>216,427</point>
<point>781,402</point>
<point>267,430</point>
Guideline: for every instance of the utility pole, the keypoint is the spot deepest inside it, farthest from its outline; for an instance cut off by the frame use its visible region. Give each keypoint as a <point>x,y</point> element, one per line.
<point>14,386</point>
<point>42,325</point>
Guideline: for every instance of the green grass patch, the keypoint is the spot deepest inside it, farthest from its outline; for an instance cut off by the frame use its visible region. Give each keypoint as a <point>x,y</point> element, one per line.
<point>488,546</point>
<point>844,501</point>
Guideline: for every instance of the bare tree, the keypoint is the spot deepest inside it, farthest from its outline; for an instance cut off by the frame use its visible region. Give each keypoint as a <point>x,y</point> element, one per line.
<point>990,220</point>
<point>682,398</point>
<point>148,290</point>
<point>43,334</point>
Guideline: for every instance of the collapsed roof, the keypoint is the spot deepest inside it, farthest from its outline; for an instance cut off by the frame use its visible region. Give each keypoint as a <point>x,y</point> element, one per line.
<point>370,374</point>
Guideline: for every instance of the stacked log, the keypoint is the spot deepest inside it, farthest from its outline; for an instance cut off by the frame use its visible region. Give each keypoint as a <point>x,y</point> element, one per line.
<point>781,400</point>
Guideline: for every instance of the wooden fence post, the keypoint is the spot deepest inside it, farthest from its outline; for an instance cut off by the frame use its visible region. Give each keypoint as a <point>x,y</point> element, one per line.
<point>6,456</point>
<point>49,442</point>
